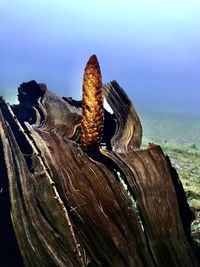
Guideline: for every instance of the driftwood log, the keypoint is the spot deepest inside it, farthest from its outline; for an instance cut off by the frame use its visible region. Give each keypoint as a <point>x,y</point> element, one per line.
<point>116,206</point>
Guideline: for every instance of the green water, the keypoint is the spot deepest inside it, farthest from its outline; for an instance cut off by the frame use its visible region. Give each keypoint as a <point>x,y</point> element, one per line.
<point>179,129</point>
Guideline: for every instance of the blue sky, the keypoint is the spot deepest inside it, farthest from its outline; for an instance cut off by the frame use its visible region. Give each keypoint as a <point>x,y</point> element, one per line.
<point>152,48</point>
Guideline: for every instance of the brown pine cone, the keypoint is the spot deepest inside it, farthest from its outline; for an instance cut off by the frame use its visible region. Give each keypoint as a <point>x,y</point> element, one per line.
<point>92,107</point>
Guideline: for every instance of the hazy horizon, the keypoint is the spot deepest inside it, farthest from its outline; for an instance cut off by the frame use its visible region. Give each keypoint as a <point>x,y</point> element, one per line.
<point>150,47</point>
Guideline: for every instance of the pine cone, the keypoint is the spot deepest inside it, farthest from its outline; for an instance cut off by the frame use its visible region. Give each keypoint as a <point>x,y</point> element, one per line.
<point>92,107</point>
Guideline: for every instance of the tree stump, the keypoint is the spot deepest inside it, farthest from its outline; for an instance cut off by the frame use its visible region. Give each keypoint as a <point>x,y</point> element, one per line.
<point>119,206</point>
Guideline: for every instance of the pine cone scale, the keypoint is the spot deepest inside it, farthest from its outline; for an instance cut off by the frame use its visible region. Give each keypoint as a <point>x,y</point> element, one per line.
<point>92,107</point>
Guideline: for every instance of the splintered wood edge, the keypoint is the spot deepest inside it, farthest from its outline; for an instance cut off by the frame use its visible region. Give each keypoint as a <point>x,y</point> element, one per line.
<point>10,143</point>
<point>128,133</point>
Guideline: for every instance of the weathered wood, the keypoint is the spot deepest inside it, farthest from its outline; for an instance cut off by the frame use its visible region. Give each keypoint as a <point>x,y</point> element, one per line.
<point>128,133</point>
<point>41,222</point>
<point>120,207</point>
<point>147,174</point>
